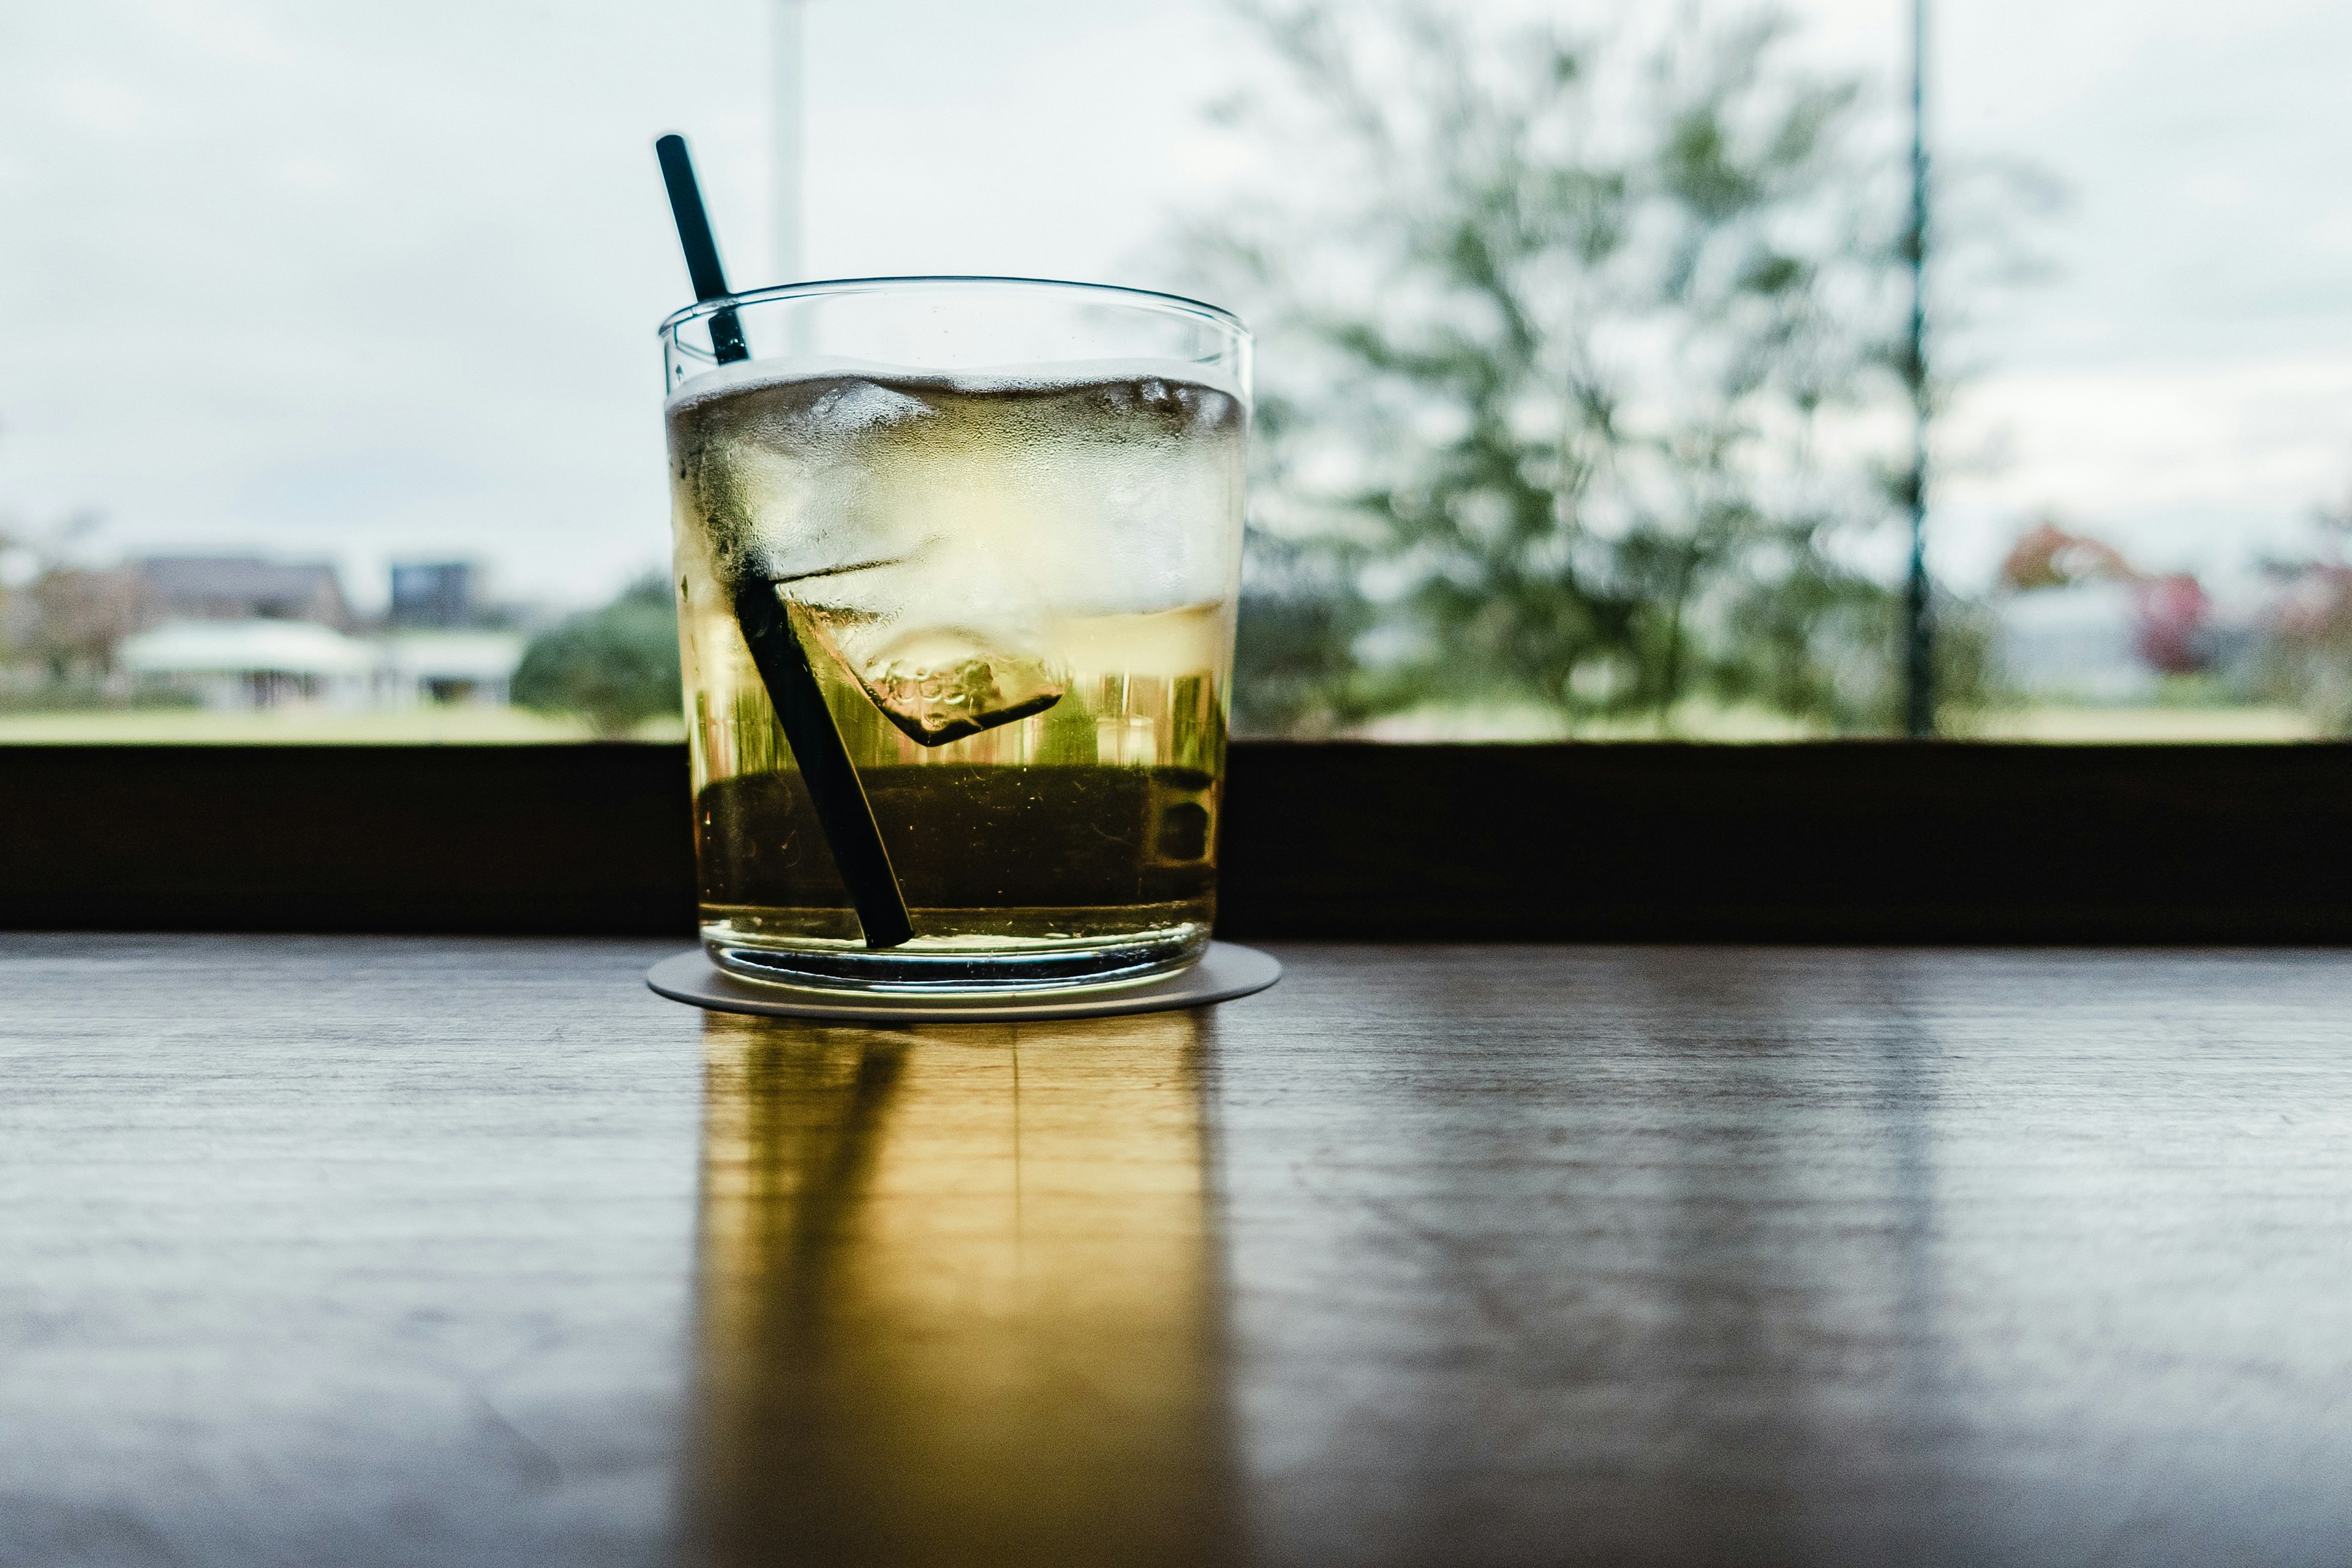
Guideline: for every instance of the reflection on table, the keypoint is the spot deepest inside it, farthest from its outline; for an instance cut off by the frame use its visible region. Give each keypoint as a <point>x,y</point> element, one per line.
<point>957,1298</point>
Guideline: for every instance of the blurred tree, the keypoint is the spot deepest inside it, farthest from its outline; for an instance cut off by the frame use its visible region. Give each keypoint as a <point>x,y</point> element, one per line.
<point>1582,385</point>
<point>60,622</point>
<point>2305,660</point>
<point>615,666</point>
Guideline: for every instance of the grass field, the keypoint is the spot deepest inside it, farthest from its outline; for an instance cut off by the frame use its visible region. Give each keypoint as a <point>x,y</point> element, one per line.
<point>2167,725</point>
<point>2087,726</point>
<point>473,726</point>
<point>455,726</point>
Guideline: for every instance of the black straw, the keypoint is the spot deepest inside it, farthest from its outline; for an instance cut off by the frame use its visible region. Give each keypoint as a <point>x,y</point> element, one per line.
<point>700,245</point>
<point>842,812</point>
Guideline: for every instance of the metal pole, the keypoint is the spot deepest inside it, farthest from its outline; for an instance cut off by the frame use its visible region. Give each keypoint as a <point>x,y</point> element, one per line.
<point>784,150</point>
<point>1918,625</point>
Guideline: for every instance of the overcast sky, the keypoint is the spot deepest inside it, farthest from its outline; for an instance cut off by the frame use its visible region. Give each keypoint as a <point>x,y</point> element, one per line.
<point>379,281</point>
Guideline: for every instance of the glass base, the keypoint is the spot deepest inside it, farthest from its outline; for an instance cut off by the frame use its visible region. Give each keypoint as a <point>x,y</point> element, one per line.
<point>951,968</point>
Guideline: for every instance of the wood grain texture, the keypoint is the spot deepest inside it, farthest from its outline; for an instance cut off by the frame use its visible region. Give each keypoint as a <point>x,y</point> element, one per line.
<point>393,1251</point>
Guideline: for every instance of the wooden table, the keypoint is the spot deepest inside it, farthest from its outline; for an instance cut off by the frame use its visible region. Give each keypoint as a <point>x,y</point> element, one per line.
<point>334,1250</point>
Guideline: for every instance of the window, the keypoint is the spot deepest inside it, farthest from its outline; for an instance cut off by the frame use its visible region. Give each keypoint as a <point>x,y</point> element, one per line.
<point>328,375</point>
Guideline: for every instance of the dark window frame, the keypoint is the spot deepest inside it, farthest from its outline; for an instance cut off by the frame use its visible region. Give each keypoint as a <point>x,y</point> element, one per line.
<point>1893,842</point>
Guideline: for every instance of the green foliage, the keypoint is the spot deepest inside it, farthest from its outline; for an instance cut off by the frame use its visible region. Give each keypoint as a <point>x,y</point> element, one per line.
<point>61,622</point>
<point>1296,671</point>
<point>2304,659</point>
<point>1583,388</point>
<point>615,666</point>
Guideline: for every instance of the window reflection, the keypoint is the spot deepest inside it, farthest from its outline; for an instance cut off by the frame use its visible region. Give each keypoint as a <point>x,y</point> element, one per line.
<point>958,1297</point>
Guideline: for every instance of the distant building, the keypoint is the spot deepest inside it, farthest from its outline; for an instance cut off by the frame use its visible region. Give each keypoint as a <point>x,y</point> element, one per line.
<point>433,594</point>
<point>254,663</point>
<point>241,588</point>
<point>239,632</point>
<point>2077,621</point>
<point>431,667</point>
<point>2078,643</point>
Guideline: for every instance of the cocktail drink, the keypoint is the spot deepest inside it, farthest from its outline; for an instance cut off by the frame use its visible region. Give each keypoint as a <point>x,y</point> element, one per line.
<point>1002,522</point>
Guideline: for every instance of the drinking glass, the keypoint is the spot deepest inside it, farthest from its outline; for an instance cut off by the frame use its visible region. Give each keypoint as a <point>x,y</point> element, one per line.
<point>997,522</point>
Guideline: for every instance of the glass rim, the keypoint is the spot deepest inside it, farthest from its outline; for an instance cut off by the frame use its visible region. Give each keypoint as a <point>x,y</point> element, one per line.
<point>1150,299</point>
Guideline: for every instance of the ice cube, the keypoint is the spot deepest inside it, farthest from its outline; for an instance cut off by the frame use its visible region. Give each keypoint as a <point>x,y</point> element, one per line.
<point>941,684</point>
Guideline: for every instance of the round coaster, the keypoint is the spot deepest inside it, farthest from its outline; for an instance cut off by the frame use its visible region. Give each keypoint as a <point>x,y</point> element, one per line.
<point>1225,972</point>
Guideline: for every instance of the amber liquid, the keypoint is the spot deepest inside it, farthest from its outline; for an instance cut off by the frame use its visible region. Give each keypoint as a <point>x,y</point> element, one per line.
<point>981,852</point>
<point>1094,820</point>
<point>1043,769</point>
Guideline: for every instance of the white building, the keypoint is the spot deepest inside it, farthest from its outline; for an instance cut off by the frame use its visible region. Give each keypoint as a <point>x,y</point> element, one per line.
<point>254,664</point>
<point>2078,644</point>
<point>422,666</point>
<point>283,664</point>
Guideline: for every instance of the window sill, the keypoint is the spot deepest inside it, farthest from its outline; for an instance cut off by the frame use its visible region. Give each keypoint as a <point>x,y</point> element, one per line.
<point>1832,842</point>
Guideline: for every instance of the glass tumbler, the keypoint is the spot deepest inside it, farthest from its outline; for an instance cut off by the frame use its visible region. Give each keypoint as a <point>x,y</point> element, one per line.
<point>978,541</point>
